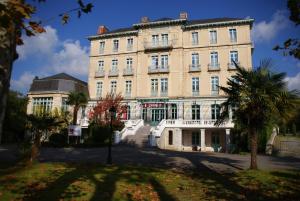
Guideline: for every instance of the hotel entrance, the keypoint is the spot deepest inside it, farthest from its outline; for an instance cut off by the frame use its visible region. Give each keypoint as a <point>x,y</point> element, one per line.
<point>154,112</point>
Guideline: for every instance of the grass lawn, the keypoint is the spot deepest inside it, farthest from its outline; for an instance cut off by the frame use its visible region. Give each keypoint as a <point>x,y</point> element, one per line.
<point>60,181</point>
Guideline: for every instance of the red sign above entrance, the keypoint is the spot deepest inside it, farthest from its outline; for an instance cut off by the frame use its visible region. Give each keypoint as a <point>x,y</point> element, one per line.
<point>153,105</point>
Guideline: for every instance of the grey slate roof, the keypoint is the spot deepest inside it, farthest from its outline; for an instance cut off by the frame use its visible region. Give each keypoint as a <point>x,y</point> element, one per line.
<point>61,82</point>
<point>186,23</point>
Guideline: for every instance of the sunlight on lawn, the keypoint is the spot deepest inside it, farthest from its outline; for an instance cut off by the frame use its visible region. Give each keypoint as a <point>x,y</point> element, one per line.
<point>60,181</point>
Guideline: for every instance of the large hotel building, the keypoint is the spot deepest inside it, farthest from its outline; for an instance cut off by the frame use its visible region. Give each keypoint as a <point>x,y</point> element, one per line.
<point>168,71</point>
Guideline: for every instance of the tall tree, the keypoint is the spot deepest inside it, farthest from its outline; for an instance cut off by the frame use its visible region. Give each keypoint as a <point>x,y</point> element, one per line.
<point>260,95</point>
<point>77,99</point>
<point>15,19</point>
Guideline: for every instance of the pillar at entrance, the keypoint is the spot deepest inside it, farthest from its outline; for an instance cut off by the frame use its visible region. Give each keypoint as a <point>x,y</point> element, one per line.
<point>179,139</point>
<point>227,140</point>
<point>202,131</point>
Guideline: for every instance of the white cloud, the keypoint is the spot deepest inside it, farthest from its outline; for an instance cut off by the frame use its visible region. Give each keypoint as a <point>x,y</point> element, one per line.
<point>23,82</point>
<point>266,31</point>
<point>41,44</point>
<point>294,82</point>
<point>57,56</point>
<point>72,59</point>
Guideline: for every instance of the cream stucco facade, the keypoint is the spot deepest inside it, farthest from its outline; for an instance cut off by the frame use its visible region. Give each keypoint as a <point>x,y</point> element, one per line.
<point>170,69</point>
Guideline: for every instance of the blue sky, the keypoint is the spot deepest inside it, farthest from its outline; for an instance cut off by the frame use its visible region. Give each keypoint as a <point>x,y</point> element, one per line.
<point>64,48</point>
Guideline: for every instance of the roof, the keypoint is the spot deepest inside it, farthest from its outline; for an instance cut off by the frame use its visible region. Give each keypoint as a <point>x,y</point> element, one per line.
<point>59,83</point>
<point>63,76</point>
<point>163,21</point>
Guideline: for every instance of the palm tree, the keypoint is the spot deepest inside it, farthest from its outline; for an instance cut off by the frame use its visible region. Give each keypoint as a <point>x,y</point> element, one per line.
<point>77,99</point>
<point>40,123</point>
<point>261,96</point>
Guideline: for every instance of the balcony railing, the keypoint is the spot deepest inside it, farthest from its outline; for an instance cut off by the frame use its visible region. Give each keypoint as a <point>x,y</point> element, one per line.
<point>154,93</point>
<point>115,49</point>
<point>194,68</point>
<point>195,93</point>
<point>127,95</point>
<point>113,73</point>
<point>158,69</point>
<point>127,71</point>
<point>164,93</point>
<point>231,66</point>
<point>100,73</point>
<point>215,92</point>
<point>162,44</point>
<point>213,66</point>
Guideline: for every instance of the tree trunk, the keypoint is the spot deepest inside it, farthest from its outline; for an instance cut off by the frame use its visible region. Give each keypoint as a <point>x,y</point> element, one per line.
<point>35,149</point>
<point>75,111</point>
<point>7,57</point>
<point>253,136</point>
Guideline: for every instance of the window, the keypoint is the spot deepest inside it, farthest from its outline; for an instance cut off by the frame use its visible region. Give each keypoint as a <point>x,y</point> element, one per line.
<point>213,37</point>
<point>233,57</point>
<point>164,39</point>
<point>128,114</point>
<point>113,87</point>
<point>173,111</point>
<point>128,87</point>
<point>214,59</point>
<point>64,105</point>
<point>114,64</point>
<point>155,40</point>
<point>214,85</point>
<point>102,46</point>
<point>215,111</point>
<point>164,86</point>
<point>42,104</point>
<point>154,86</point>
<point>115,45</point>
<point>170,137</point>
<point>129,43</point>
<point>195,111</point>
<point>154,61</point>
<point>232,34</point>
<point>164,61</point>
<point>195,59</point>
<point>129,63</point>
<point>100,66</point>
<point>195,38</point>
<point>99,87</point>
<point>195,138</point>
<point>195,85</point>
<point>215,138</point>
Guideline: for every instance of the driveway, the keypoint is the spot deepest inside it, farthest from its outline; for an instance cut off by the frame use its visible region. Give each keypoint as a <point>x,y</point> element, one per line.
<point>154,157</point>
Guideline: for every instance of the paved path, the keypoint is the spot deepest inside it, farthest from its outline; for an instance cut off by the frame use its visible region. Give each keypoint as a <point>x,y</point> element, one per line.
<point>154,157</point>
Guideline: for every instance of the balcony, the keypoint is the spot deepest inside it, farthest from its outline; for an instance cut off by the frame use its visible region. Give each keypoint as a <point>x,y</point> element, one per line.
<point>114,72</point>
<point>231,66</point>
<point>158,69</point>
<point>215,92</point>
<point>128,71</point>
<point>164,93</point>
<point>213,67</point>
<point>159,45</point>
<point>194,68</point>
<point>100,73</point>
<point>195,93</point>
<point>127,95</point>
<point>154,93</point>
<point>129,47</point>
<point>115,49</point>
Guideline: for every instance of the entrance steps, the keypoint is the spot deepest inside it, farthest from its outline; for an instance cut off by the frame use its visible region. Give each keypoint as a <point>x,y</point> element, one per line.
<point>140,138</point>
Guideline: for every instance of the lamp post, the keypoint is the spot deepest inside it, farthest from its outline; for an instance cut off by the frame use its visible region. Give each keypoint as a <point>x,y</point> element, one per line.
<point>112,112</point>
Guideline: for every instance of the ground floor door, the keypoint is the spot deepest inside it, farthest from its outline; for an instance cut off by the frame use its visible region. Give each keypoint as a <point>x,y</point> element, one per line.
<point>157,115</point>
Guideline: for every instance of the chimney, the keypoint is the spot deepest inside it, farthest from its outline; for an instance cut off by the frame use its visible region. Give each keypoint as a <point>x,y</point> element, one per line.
<point>144,20</point>
<point>183,15</point>
<point>102,29</point>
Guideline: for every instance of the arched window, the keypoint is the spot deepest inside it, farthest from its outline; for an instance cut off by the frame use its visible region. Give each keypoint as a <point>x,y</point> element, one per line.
<point>170,137</point>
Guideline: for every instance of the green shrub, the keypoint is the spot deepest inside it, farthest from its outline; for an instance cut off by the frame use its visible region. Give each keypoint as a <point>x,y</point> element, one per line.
<point>58,139</point>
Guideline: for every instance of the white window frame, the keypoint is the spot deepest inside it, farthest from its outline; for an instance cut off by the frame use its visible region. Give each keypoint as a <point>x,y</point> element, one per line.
<point>154,86</point>
<point>113,87</point>
<point>164,85</point>
<point>114,64</point>
<point>213,36</point>
<point>128,87</point>
<point>233,37</point>
<point>195,59</point>
<point>164,61</point>
<point>115,45</point>
<point>129,63</point>
<point>101,47</point>
<point>165,39</point>
<point>129,43</point>
<point>195,84</point>
<point>215,81</point>
<point>233,56</point>
<point>99,88</point>
<point>100,65</point>
<point>154,61</point>
<point>195,38</point>
<point>214,59</point>
<point>155,40</point>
